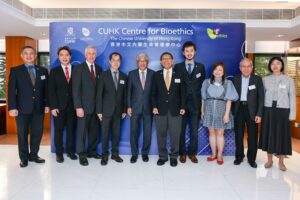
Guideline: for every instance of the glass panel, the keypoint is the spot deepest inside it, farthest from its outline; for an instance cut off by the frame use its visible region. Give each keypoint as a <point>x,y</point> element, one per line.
<point>2,76</point>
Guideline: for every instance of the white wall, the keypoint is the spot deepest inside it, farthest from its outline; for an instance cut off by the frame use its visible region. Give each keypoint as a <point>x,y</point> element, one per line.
<point>2,45</point>
<point>43,45</point>
<point>267,46</point>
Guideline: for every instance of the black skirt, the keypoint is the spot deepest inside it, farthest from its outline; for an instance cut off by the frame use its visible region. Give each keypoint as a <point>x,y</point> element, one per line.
<point>275,137</point>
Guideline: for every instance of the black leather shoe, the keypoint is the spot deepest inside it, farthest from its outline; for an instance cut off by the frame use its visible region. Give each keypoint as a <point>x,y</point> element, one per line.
<point>173,162</point>
<point>253,164</point>
<point>117,158</point>
<point>59,158</point>
<point>238,161</point>
<point>133,159</point>
<point>23,163</point>
<point>72,156</point>
<point>36,159</point>
<point>104,160</point>
<point>83,161</point>
<point>145,158</point>
<point>94,155</point>
<point>161,162</point>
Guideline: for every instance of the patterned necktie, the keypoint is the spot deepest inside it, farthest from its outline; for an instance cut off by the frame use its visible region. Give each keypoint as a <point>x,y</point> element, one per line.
<point>167,80</point>
<point>67,74</point>
<point>31,74</point>
<point>189,68</point>
<point>116,80</point>
<point>93,74</point>
<point>143,80</point>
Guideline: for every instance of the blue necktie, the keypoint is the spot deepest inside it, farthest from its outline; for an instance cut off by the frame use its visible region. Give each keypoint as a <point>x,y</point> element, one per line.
<point>190,68</point>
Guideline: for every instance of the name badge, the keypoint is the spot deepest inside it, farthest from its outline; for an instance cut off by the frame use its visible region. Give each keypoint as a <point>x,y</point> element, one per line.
<point>198,75</point>
<point>177,80</point>
<point>251,87</point>
<point>281,86</point>
<point>122,82</point>
<point>43,77</point>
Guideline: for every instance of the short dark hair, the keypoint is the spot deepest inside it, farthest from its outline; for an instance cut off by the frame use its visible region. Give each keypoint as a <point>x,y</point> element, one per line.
<point>166,53</point>
<point>64,48</point>
<point>189,44</point>
<point>27,47</point>
<point>275,58</point>
<point>115,54</point>
<point>212,77</point>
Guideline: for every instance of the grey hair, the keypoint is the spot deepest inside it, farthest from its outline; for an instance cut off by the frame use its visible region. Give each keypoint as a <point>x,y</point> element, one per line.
<point>246,60</point>
<point>141,56</point>
<point>90,47</point>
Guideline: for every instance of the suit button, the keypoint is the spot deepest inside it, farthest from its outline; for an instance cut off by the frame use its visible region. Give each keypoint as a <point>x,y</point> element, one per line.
<point>167,101</point>
<point>168,93</point>
<point>33,97</point>
<point>33,89</point>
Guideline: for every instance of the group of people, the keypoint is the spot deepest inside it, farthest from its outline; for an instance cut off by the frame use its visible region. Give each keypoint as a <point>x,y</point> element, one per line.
<point>174,97</point>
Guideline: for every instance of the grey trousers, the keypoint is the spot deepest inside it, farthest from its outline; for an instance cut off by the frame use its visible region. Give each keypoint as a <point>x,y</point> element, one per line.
<point>163,124</point>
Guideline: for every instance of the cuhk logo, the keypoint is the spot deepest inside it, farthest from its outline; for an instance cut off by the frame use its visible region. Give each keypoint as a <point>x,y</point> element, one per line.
<point>85,32</point>
<point>70,31</point>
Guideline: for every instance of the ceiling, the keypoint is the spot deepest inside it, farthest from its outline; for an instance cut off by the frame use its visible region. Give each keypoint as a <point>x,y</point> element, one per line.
<point>249,4</point>
<point>13,22</point>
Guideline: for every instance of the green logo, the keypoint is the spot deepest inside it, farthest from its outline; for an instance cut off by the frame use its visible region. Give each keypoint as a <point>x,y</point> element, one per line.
<point>215,33</point>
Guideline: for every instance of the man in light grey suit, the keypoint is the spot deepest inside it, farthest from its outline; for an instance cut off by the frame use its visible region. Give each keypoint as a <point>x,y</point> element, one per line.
<point>140,106</point>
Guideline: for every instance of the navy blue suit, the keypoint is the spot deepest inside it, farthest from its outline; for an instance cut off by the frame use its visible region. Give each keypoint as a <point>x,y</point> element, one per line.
<point>139,100</point>
<point>30,101</point>
<point>193,83</point>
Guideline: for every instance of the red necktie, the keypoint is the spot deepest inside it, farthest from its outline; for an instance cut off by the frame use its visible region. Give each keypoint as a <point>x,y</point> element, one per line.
<point>93,73</point>
<point>67,74</point>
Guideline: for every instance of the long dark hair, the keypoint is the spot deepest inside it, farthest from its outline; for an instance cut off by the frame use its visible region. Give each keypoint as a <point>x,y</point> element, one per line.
<point>212,77</point>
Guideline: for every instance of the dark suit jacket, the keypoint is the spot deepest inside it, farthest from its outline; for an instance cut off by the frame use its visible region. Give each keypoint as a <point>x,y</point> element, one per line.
<point>84,90</point>
<point>193,83</point>
<point>255,97</point>
<point>137,98</point>
<point>60,91</point>
<point>164,100</point>
<point>25,97</point>
<point>110,100</point>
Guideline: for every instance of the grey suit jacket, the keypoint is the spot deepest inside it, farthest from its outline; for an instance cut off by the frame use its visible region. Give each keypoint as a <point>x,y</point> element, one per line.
<point>84,90</point>
<point>137,98</point>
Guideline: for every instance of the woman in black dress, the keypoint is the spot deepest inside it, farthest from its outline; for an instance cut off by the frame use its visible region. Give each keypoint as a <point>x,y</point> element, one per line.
<point>279,110</point>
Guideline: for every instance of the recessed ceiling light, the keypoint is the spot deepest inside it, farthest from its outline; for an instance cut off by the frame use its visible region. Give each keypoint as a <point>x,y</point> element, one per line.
<point>43,34</point>
<point>280,35</point>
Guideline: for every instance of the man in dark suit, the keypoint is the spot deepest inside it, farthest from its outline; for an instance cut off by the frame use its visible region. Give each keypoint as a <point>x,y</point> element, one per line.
<point>61,104</point>
<point>84,81</point>
<point>140,106</point>
<point>27,101</point>
<point>111,106</point>
<point>193,75</point>
<point>247,110</point>
<point>168,100</point>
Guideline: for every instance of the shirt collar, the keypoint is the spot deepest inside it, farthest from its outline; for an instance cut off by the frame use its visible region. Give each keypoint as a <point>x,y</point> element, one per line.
<point>27,65</point>
<point>63,66</point>
<point>112,71</point>
<point>190,62</point>
<point>89,64</point>
<point>140,71</point>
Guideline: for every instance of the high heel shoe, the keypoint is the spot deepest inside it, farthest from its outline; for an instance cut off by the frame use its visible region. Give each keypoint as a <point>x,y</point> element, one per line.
<point>220,162</point>
<point>268,165</point>
<point>211,158</point>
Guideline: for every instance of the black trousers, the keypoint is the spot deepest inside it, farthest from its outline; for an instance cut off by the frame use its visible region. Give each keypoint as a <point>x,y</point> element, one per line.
<point>34,123</point>
<point>87,126</point>
<point>193,118</point>
<point>134,133</point>
<point>111,125</point>
<point>165,123</point>
<point>241,119</point>
<point>65,119</point>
